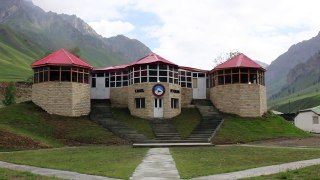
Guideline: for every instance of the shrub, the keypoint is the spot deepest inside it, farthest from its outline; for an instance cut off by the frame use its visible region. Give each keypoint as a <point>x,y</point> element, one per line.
<point>10,94</point>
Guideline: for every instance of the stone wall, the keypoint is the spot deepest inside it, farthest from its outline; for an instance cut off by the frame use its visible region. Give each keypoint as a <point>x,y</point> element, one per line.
<point>186,96</point>
<point>119,97</point>
<point>62,98</point>
<point>148,111</point>
<point>246,100</point>
<point>23,91</point>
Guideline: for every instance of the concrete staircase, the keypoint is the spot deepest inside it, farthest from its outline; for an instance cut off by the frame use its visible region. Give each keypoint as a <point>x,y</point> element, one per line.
<point>163,129</point>
<point>102,114</point>
<point>211,120</point>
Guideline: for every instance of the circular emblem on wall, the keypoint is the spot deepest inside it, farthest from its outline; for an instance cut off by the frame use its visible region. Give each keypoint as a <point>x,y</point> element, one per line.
<point>158,90</point>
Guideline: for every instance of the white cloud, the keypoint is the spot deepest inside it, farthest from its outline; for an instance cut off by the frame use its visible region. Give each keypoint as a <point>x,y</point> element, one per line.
<point>194,32</point>
<point>111,28</point>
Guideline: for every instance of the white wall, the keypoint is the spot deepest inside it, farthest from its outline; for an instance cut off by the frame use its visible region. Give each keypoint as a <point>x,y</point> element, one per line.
<point>304,121</point>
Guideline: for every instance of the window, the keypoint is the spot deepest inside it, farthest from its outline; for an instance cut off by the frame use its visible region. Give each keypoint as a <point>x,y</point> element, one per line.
<point>174,103</point>
<point>93,82</point>
<point>140,103</point>
<point>61,73</point>
<point>315,119</point>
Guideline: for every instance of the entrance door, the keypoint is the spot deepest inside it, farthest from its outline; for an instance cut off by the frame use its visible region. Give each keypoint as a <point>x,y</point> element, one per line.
<point>158,108</point>
<point>199,88</point>
<point>102,90</point>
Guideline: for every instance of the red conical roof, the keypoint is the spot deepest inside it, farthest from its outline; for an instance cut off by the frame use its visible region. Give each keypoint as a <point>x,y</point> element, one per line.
<point>239,61</point>
<point>61,57</point>
<point>152,58</point>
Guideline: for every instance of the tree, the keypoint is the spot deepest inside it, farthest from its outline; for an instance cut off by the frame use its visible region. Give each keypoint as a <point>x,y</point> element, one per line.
<point>75,51</point>
<point>225,56</point>
<point>10,94</point>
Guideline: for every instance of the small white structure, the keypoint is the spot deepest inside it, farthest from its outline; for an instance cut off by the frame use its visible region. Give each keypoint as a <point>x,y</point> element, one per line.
<point>308,120</point>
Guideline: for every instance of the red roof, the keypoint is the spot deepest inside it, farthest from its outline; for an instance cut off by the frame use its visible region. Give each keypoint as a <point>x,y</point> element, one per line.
<point>152,58</point>
<point>110,68</point>
<point>61,57</point>
<point>238,61</point>
<point>193,69</point>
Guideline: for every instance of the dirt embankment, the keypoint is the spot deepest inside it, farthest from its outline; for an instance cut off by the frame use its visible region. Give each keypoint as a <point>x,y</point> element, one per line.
<point>23,91</point>
<point>13,141</point>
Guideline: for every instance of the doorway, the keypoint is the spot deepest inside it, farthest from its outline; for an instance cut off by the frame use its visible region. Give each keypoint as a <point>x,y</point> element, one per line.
<point>158,108</point>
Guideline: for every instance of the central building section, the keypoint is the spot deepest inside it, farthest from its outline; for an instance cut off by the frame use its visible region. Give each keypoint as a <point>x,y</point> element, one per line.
<point>154,90</point>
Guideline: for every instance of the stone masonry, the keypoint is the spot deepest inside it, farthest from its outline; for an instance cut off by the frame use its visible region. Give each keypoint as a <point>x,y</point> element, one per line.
<point>246,100</point>
<point>148,111</point>
<point>119,97</point>
<point>186,96</point>
<point>62,98</point>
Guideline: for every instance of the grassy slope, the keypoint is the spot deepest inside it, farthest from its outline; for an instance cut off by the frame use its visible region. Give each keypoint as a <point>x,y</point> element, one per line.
<point>28,120</point>
<point>17,175</point>
<point>112,161</point>
<point>311,172</point>
<point>193,162</point>
<point>236,129</point>
<point>17,53</point>
<point>186,121</point>
<point>297,102</point>
<point>140,125</point>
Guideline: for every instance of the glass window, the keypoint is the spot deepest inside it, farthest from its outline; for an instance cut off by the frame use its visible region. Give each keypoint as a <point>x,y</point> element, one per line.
<point>235,78</point>
<point>174,103</point>
<point>163,79</point>
<point>93,82</point>
<point>140,103</point>
<point>152,73</point>
<point>65,76</point>
<point>244,78</point>
<point>144,79</point>
<point>106,82</point>
<point>54,75</point>
<point>152,66</point>
<point>100,74</point>
<point>153,79</point>
<point>228,79</point>
<point>315,119</point>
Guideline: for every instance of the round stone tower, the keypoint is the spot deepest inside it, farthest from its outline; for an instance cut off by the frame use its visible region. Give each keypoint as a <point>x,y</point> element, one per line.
<point>237,86</point>
<point>61,84</point>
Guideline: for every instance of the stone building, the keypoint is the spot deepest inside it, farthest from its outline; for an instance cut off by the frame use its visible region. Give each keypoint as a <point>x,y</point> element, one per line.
<point>236,86</point>
<point>151,87</point>
<point>61,84</point>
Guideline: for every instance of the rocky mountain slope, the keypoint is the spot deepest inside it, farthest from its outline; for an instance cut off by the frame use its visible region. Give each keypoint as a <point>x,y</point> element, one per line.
<point>278,76</point>
<point>51,31</point>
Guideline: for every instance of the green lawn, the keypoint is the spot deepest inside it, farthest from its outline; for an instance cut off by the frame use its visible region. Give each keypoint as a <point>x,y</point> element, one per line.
<point>195,161</point>
<point>237,129</point>
<point>25,122</point>
<point>186,121</point>
<point>110,161</point>
<point>311,172</point>
<point>17,175</point>
<point>140,125</point>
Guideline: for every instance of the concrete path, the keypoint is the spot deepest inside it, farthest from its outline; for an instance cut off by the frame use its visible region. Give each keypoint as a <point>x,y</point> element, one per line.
<point>157,165</point>
<point>52,172</point>
<point>262,170</point>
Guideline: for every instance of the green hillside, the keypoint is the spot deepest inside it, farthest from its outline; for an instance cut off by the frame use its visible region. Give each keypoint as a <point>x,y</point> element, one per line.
<point>16,55</point>
<point>297,102</point>
<point>26,126</point>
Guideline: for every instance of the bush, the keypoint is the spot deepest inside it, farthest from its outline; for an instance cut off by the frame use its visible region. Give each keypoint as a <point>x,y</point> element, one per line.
<point>10,94</point>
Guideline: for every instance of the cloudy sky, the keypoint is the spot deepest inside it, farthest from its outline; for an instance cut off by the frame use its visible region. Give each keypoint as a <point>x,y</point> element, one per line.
<point>195,32</point>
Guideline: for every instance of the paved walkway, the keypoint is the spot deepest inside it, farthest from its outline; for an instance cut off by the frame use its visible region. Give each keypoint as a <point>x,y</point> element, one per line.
<point>52,172</point>
<point>262,170</point>
<point>158,164</point>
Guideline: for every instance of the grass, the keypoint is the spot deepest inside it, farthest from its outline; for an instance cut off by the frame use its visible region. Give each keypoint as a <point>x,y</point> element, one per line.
<point>110,161</point>
<point>140,125</point>
<point>311,172</point>
<point>186,121</point>
<point>203,161</point>
<point>18,175</point>
<point>25,121</point>
<point>237,129</point>
<point>297,103</point>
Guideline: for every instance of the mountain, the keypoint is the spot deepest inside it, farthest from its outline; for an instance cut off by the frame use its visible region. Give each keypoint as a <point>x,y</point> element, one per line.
<point>262,64</point>
<point>276,76</point>
<point>54,31</point>
<point>16,54</point>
